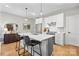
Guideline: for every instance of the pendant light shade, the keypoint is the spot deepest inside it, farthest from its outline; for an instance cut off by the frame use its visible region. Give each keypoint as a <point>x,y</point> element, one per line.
<point>41,11</point>
<point>26,14</point>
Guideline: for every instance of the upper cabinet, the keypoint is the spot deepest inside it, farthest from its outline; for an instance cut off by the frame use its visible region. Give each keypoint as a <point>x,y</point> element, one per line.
<point>55,19</point>
<point>38,21</point>
<point>50,19</point>
<point>60,20</point>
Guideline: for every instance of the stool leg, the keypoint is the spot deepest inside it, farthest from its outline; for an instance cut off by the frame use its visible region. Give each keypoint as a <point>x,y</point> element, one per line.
<point>31,49</point>
<point>27,48</point>
<point>19,48</point>
<point>24,48</point>
<point>16,46</point>
<point>40,49</point>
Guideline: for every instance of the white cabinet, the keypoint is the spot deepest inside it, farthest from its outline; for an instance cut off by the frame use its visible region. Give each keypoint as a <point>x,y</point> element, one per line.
<point>50,19</point>
<point>38,21</point>
<point>59,38</point>
<point>60,20</point>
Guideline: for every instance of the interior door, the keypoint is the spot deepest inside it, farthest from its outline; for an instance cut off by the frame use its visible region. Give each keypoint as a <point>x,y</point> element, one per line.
<point>72,30</point>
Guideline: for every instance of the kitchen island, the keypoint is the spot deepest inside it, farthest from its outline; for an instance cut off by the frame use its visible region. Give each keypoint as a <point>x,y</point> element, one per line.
<point>46,45</point>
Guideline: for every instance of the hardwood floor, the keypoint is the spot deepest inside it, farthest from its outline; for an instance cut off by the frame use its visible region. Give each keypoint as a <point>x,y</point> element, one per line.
<point>67,50</point>
<point>10,50</point>
<point>0,48</point>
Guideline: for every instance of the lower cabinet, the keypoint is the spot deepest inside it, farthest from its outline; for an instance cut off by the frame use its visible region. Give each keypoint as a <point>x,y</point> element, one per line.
<point>46,47</point>
<point>10,38</point>
<point>50,46</point>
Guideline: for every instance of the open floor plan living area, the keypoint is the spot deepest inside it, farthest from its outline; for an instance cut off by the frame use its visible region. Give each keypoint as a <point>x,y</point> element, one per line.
<point>39,29</point>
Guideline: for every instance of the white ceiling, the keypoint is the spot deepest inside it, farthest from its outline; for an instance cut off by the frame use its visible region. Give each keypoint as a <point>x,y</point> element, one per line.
<point>34,8</point>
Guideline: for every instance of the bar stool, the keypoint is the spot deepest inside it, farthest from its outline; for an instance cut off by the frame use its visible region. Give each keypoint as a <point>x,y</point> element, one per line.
<point>19,48</point>
<point>18,44</point>
<point>32,43</point>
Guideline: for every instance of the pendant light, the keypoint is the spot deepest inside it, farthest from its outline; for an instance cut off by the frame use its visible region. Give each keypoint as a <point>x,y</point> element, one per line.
<point>44,24</point>
<point>42,17</point>
<point>41,14</point>
<point>41,11</point>
<point>26,14</point>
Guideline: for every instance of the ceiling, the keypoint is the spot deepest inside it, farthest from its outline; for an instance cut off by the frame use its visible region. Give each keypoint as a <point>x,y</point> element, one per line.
<point>33,10</point>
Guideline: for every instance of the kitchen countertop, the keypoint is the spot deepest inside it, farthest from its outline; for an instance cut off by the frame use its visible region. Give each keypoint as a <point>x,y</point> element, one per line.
<point>39,37</point>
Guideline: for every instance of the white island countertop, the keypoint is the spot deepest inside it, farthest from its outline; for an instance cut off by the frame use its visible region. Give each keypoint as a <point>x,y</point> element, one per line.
<point>39,37</point>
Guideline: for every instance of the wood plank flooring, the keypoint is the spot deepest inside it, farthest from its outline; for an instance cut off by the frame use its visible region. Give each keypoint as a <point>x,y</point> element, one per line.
<point>67,50</point>
<point>0,48</point>
<point>10,50</point>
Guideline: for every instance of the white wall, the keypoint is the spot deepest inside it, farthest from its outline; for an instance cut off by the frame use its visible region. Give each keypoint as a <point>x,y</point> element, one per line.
<point>9,18</point>
<point>72,23</point>
<point>73,15</point>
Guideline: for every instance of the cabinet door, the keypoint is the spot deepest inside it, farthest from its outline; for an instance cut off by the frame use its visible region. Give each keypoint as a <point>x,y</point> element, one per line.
<point>44,47</point>
<point>60,20</point>
<point>38,21</point>
<point>50,19</point>
<point>38,28</point>
<point>51,42</point>
<point>59,38</point>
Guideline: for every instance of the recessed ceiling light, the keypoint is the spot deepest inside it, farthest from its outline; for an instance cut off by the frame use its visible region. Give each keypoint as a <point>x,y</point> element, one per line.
<point>7,6</point>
